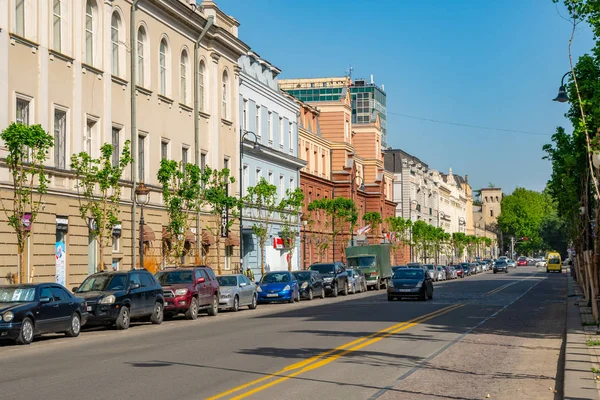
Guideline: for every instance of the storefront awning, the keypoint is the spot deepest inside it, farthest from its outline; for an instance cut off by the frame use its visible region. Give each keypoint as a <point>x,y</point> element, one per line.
<point>232,240</point>
<point>149,235</point>
<point>190,237</point>
<point>207,238</point>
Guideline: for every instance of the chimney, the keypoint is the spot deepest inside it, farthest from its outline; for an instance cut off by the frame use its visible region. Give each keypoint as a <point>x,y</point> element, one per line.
<point>467,178</point>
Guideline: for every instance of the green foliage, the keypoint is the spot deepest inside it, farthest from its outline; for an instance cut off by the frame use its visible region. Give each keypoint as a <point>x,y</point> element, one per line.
<point>263,199</point>
<point>373,218</point>
<point>400,227</point>
<point>99,187</point>
<point>340,215</point>
<point>28,148</point>
<point>290,209</point>
<point>181,190</point>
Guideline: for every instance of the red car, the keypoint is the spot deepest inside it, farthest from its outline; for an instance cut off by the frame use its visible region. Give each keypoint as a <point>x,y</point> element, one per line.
<point>522,262</point>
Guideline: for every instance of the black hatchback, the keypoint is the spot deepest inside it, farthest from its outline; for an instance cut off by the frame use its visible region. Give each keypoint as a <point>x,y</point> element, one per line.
<point>118,297</point>
<point>33,309</point>
<point>310,283</point>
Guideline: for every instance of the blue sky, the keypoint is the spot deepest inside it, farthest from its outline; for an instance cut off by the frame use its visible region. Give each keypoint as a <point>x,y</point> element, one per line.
<point>494,64</point>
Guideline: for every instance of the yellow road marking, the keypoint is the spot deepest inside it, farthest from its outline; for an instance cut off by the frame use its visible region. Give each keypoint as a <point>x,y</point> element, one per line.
<point>330,355</point>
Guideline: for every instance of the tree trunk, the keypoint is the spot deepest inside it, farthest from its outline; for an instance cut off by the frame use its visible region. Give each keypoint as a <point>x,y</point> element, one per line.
<point>218,245</point>
<point>100,266</point>
<point>592,286</point>
<point>21,261</point>
<point>262,243</point>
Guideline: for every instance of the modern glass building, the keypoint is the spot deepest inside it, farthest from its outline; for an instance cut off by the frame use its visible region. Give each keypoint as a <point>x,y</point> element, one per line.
<point>367,98</point>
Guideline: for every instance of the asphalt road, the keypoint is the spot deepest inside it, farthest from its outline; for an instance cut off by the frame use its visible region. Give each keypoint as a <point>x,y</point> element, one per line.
<point>497,335</point>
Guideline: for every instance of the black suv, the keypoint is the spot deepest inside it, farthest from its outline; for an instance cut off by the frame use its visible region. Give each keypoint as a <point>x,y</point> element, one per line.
<point>118,297</point>
<point>335,278</point>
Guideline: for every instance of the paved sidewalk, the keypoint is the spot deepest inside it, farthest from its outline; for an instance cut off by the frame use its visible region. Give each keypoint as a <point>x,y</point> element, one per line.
<point>580,359</point>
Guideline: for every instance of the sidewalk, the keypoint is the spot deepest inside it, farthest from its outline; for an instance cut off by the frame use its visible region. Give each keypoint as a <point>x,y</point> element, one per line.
<point>580,381</point>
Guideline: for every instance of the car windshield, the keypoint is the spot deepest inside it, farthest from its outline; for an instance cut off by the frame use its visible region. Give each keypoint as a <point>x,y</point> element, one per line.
<point>302,276</point>
<point>15,294</point>
<point>554,261</point>
<point>99,283</point>
<point>322,268</point>
<point>430,267</point>
<point>227,280</point>
<point>408,273</point>
<point>522,259</point>
<point>174,277</point>
<point>499,263</point>
<point>275,277</point>
<point>362,262</point>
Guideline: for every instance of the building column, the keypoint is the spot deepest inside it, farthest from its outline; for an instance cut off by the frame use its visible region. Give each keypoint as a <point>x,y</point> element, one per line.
<point>215,89</point>
<point>5,98</point>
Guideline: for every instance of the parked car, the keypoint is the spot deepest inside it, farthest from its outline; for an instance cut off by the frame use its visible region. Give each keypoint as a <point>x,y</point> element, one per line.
<point>511,263</point>
<point>466,270</point>
<point>441,273</point>
<point>311,284</point>
<point>356,282</point>
<point>541,263</point>
<point>522,261</point>
<point>410,282</point>
<point>334,277</point>
<point>500,266</point>
<point>189,290</point>
<point>460,273</point>
<point>114,297</point>
<point>236,291</point>
<point>278,286</point>
<point>395,267</point>
<point>30,310</point>
<point>451,272</point>
<point>432,272</point>
<point>474,268</point>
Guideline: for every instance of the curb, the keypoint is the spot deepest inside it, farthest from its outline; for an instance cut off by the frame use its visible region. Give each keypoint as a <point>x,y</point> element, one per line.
<point>579,382</point>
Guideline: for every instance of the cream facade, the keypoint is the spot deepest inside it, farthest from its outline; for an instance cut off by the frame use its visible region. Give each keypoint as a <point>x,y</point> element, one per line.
<point>66,66</point>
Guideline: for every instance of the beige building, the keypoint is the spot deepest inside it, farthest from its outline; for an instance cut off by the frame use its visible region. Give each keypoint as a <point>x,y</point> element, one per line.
<point>66,66</point>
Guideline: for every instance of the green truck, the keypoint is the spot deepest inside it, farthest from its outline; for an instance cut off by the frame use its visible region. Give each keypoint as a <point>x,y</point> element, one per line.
<point>374,261</point>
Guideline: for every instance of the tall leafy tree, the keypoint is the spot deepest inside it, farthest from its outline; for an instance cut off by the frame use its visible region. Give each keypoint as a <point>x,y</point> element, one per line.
<point>289,209</point>
<point>341,216</point>
<point>373,218</point>
<point>99,187</point>
<point>28,148</point>
<point>263,203</point>
<point>400,228</point>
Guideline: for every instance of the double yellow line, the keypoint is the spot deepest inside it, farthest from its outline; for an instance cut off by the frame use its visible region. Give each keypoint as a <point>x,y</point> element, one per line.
<point>327,357</point>
<point>501,288</point>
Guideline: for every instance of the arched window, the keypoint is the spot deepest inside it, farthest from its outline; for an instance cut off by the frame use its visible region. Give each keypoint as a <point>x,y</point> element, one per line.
<point>225,95</point>
<point>201,86</point>
<point>141,56</point>
<point>184,65</point>
<point>115,24</point>
<point>90,31</point>
<point>163,67</point>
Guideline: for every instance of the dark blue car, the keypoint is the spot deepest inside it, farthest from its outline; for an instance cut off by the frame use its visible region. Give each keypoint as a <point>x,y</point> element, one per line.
<point>279,286</point>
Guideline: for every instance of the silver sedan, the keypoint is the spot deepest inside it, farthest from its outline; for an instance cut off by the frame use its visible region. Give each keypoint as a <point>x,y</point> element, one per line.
<point>237,291</point>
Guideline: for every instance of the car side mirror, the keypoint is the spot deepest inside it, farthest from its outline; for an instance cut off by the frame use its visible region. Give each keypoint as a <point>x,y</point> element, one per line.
<point>201,280</point>
<point>44,300</point>
<point>243,284</point>
<point>75,289</point>
<point>134,286</point>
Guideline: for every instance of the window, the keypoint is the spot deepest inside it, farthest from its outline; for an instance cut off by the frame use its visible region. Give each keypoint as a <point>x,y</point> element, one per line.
<point>115,23</point>
<point>225,95</point>
<point>226,163</point>
<point>258,176</point>
<point>141,157</point>
<point>245,115</point>
<point>20,17</point>
<point>271,177</point>
<point>491,213</point>
<point>116,133</point>
<point>147,280</point>
<point>22,109</point>
<point>56,25</point>
<point>89,136</point>
<point>290,138</point>
<point>281,186</point>
<point>164,149</point>
<point>89,31</point>
<point>60,294</point>
<point>46,292</point>
<point>184,73</point>
<point>141,44</point>
<point>246,177</point>
<point>257,122</point>
<point>269,126</point>
<point>60,138</point>
<point>184,155</point>
<point>163,70</point>
<point>201,86</point>
<point>202,161</point>
<point>281,132</point>
<point>116,243</point>
<point>291,184</point>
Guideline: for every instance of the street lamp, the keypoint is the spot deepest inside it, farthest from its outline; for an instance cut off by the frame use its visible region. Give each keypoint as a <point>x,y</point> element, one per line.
<point>142,197</point>
<point>255,148</point>
<point>562,91</point>
<point>361,188</point>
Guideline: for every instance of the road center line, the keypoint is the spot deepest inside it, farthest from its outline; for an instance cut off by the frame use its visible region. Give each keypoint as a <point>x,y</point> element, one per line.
<point>330,355</point>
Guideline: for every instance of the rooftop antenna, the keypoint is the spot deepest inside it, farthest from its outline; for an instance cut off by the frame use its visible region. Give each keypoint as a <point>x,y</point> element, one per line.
<point>349,72</point>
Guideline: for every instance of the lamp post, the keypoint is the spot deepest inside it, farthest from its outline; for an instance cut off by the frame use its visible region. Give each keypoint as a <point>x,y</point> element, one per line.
<point>142,197</point>
<point>562,91</point>
<point>410,217</point>
<point>256,149</point>
<point>362,188</point>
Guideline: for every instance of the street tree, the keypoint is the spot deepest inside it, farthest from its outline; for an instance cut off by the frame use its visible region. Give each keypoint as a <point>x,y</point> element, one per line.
<point>290,209</point>
<point>399,229</point>
<point>459,243</point>
<point>223,208</point>
<point>340,216</point>
<point>182,199</point>
<point>28,148</point>
<point>373,218</point>
<point>99,187</point>
<point>262,202</point>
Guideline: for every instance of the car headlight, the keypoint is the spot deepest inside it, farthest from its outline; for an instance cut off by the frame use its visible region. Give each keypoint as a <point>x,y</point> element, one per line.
<point>327,279</point>
<point>180,292</point>
<point>110,299</point>
<point>287,287</point>
<point>304,285</point>
<point>258,289</point>
<point>391,284</point>
<point>419,284</point>
<point>8,316</point>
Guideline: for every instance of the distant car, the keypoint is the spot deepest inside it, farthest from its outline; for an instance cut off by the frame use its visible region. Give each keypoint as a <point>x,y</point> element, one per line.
<point>278,286</point>
<point>432,272</point>
<point>500,266</point>
<point>466,270</point>
<point>334,277</point>
<point>459,271</point>
<point>311,284</point>
<point>237,291</point>
<point>541,263</point>
<point>475,268</point>
<point>30,310</point>
<point>118,297</point>
<point>522,261</point>
<point>511,263</point>
<point>441,273</point>
<point>356,282</point>
<point>451,272</point>
<point>410,282</point>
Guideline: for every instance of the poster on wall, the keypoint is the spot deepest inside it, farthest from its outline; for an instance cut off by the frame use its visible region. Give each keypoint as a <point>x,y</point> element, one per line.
<point>60,262</point>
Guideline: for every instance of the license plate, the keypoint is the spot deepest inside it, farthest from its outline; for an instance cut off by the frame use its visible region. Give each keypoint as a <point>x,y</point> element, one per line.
<point>89,308</point>
<point>272,295</point>
<point>404,290</point>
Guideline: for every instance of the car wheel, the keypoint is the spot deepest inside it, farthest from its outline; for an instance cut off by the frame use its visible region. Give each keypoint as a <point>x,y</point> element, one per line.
<point>310,294</point>
<point>322,293</point>
<point>157,314</point>
<point>345,291</point>
<point>354,288</point>
<point>213,310</point>
<point>192,312</point>
<point>236,304</point>
<point>26,333</point>
<point>75,327</point>
<point>298,296</point>
<point>123,319</point>
<point>334,291</point>
<point>252,305</point>
<point>423,295</point>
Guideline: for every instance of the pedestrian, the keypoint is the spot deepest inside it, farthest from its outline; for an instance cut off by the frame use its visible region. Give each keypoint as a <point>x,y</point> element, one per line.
<point>250,274</point>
